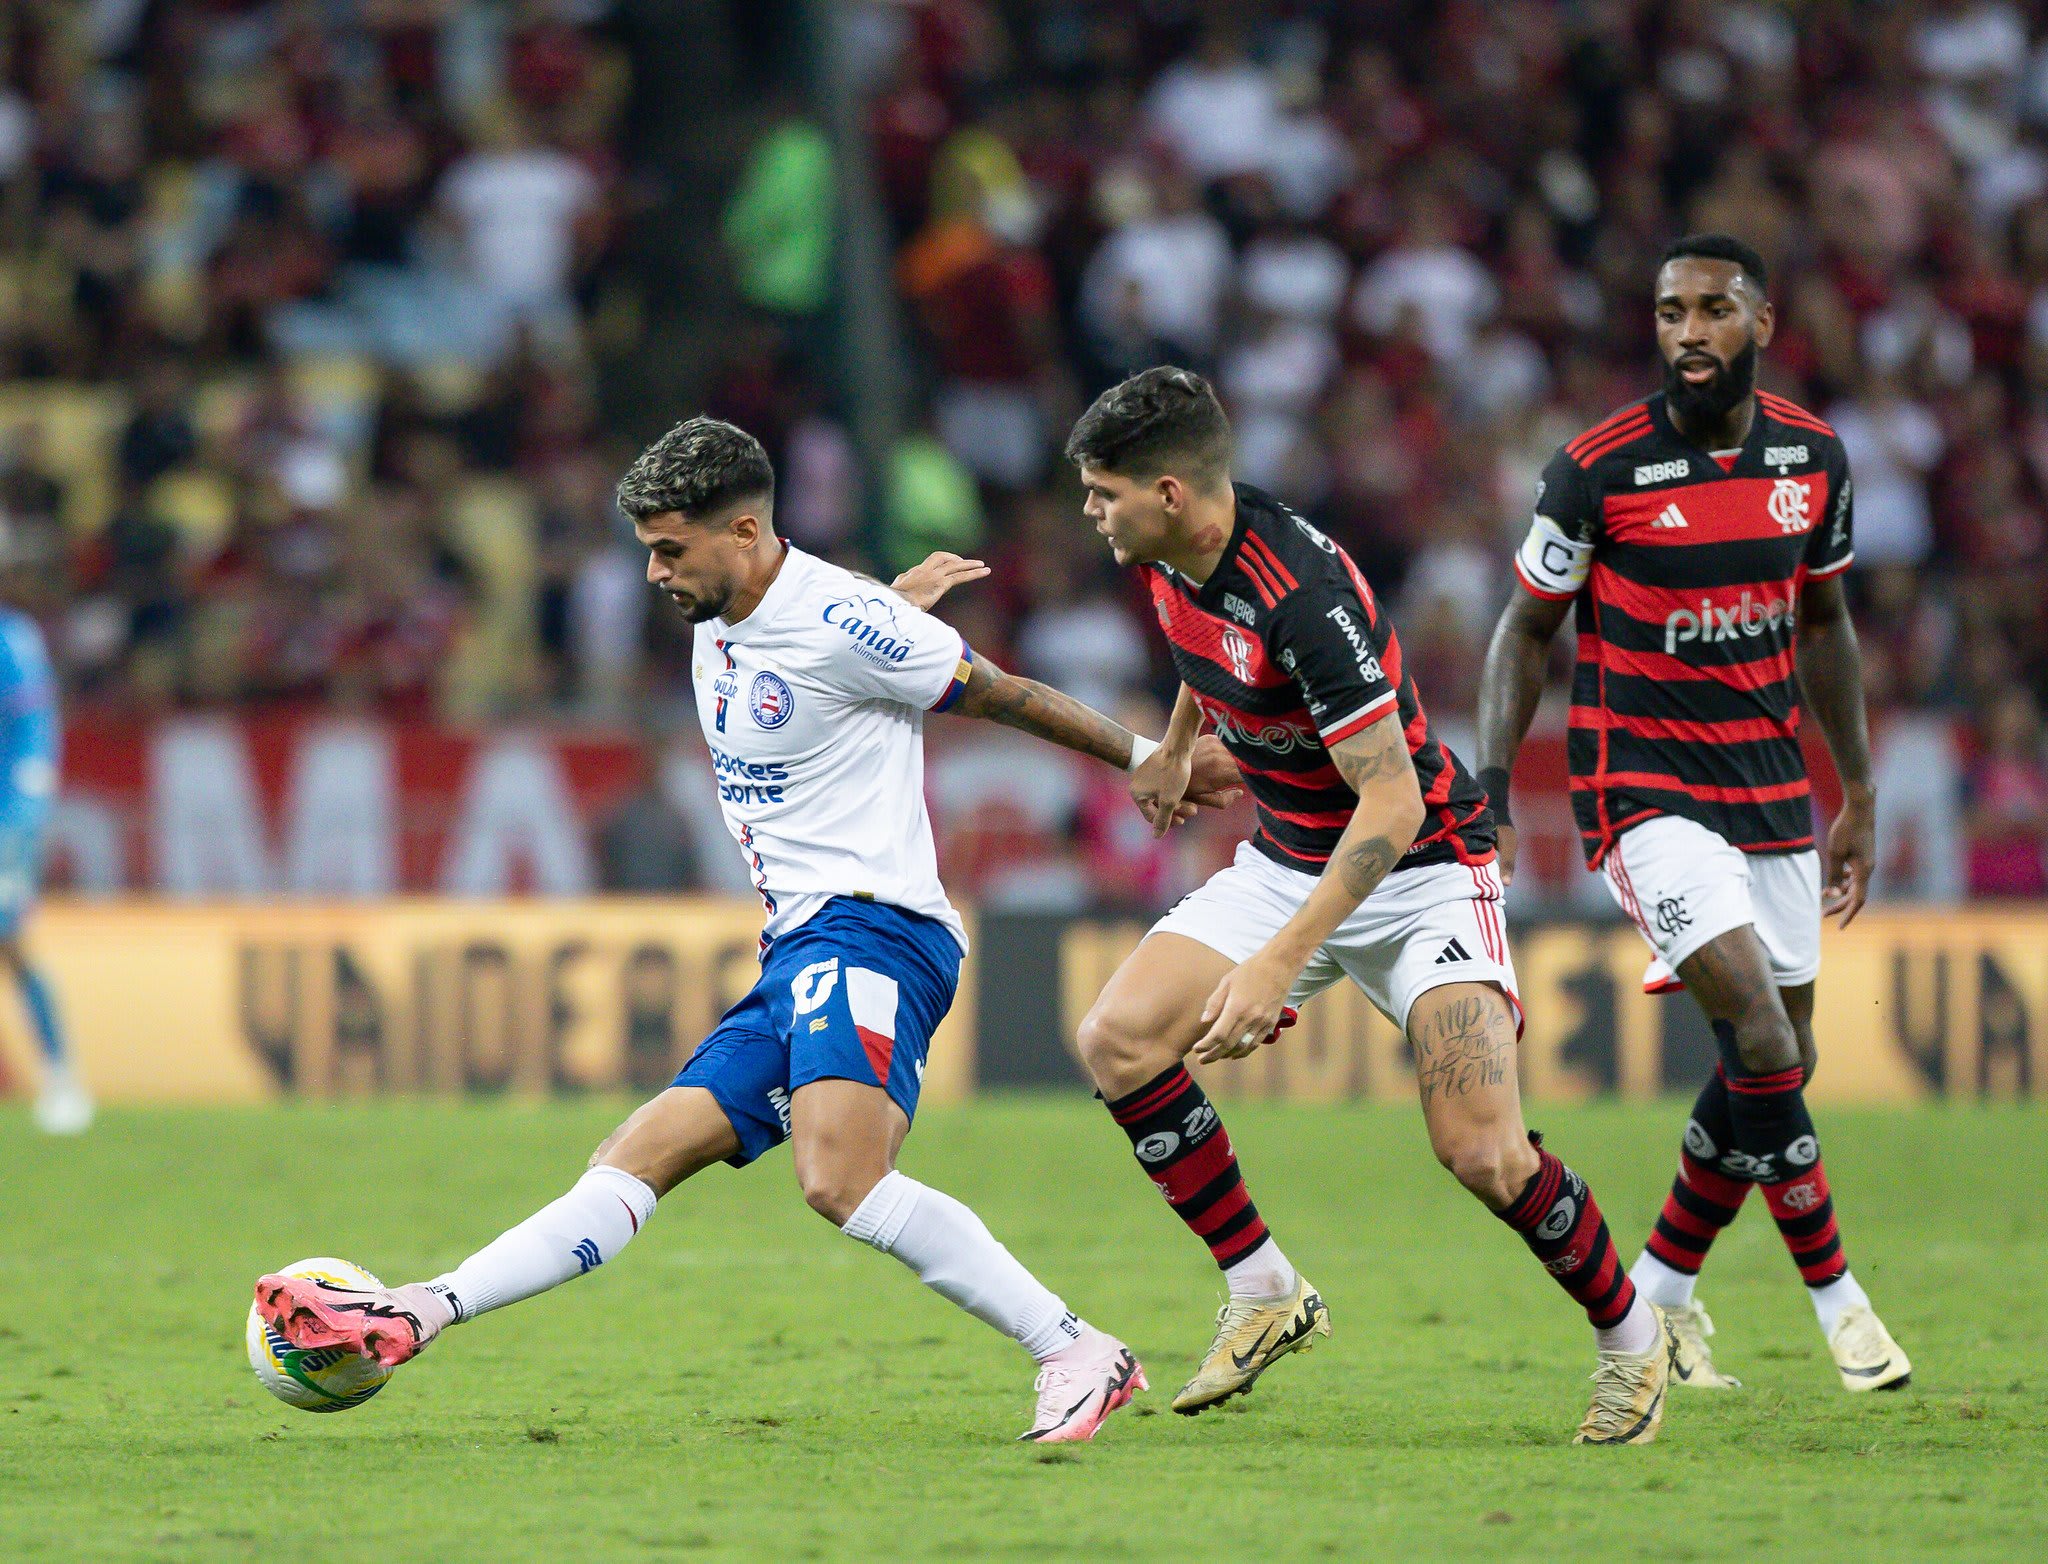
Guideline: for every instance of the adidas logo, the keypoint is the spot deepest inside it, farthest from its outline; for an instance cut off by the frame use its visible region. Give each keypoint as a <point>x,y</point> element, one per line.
<point>588,1258</point>
<point>1670,516</point>
<point>1452,952</point>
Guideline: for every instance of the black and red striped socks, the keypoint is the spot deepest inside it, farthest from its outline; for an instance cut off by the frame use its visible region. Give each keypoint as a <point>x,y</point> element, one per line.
<point>1749,1129</point>
<point>1561,1223</point>
<point>1181,1144</point>
<point>1703,1200</point>
<point>1774,1132</point>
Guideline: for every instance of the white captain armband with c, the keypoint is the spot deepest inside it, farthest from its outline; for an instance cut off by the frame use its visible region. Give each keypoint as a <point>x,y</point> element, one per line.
<point>1551,562</point>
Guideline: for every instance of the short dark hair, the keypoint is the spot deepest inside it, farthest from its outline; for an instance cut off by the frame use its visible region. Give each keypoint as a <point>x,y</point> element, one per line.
<point>1720,247</point>
<point>697,469</point>
<point>1160,419</point>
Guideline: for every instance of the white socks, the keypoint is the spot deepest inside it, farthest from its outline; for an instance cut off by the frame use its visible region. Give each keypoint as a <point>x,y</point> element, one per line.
<point>1834,1299</point>
<point>956,1256</point>
<point>1659,1283</point>
<point>946,1244</point>
<point>578,1233</point>
<point>1263,1273</point>
<point>1637,1331</point>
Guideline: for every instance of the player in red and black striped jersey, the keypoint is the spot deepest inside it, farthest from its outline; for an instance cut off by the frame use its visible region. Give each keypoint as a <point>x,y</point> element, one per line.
<point>1685,570</point>
<point>1373,861</point>
<point>1698,538</point>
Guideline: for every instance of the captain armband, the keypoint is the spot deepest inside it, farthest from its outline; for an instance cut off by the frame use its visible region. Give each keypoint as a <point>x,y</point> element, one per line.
<point>1551,563</point>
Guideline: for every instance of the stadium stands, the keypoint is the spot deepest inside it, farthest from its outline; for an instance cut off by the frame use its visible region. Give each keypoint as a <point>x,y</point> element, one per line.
<point>308,318</point>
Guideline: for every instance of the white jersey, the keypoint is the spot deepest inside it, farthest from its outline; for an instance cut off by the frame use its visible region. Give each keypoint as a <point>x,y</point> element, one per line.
<point>813,706</point>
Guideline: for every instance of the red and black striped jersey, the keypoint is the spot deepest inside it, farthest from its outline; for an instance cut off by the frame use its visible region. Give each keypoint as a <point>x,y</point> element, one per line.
<point>1288,652</point>
<point>1686,568</point>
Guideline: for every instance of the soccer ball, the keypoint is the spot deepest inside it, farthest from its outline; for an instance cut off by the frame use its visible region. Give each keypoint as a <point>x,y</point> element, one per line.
<point>328,1379</point>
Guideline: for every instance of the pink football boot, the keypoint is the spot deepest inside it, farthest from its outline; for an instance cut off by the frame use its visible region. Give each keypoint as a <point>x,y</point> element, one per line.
<point>313,1314</point>
<point>1082,1387</point>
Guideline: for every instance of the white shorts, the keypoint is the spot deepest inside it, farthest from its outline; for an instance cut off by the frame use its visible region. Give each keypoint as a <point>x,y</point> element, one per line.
<point>1420,929</point>
<point>1682,885</point>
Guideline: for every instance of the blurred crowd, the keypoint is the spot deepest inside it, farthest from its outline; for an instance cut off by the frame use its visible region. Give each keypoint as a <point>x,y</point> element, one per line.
<point>306,307</point>
<point>301,312</point>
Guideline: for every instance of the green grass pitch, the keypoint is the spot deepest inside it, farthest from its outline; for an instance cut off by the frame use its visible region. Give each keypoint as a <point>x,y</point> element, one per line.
<point>745,1383</point>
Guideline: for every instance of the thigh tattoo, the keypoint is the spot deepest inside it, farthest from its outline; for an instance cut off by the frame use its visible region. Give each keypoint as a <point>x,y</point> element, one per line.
<point>1466,1046</point>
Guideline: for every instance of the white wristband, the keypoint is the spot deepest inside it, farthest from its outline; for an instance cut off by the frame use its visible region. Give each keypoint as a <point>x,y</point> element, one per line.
<point>1142,750</point>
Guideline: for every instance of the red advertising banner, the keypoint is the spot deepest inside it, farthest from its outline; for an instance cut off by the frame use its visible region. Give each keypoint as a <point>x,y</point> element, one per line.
<point>315,805</point>
<point>319,805</point>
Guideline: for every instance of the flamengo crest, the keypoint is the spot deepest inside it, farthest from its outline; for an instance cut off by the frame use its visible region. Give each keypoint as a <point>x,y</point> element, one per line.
<point>1789,505</point>
<point>1238,651</point>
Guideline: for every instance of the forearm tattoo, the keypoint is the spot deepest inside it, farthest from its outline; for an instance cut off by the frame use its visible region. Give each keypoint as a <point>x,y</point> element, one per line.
<point>1365,865</point>
<point>1362,865</point>
<point>1043,712</point>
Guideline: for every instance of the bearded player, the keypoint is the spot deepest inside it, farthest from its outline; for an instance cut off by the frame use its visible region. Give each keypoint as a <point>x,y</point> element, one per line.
<point>811,685</point>
<point>1373,862</point>
<point>1699,538</point>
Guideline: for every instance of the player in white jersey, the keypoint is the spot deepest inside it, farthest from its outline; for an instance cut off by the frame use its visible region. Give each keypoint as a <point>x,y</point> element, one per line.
<point>811,684</point>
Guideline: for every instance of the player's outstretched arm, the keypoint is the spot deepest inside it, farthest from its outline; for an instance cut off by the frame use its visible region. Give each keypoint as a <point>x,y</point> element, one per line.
<point>1245,1009</point>
<point>1831,678</point>
<point>1056,717</point>
<point>1510,687</point>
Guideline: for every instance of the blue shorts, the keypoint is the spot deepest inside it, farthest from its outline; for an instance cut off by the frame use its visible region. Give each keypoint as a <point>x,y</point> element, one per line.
<point>21,873</point>
<point>853,994</point>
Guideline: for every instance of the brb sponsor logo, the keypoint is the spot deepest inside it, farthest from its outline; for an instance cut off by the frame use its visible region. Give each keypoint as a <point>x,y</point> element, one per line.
<point>1750,617</point>
<point>870,622</point>
<point>1661,472</point>
<point>1790,505</point>
<point>1238,608</point>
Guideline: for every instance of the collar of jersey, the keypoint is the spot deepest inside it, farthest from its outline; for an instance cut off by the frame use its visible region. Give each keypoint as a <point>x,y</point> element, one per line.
<point>780,591</point>
<point>1660,415</point>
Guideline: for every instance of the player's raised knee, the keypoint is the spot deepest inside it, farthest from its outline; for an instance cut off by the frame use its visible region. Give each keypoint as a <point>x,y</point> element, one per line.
<point>835,1192</point>
<point>616,1140</point>
<point>1484,1163</point>
<point>1113,1049</point>
<point>1809,1055</point>
<point>1764,1041</point>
